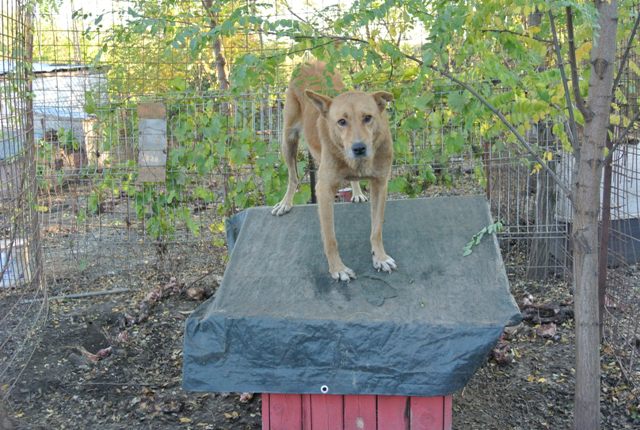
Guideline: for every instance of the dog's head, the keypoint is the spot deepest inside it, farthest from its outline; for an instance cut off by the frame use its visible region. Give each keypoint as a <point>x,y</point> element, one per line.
<point>355,120</point>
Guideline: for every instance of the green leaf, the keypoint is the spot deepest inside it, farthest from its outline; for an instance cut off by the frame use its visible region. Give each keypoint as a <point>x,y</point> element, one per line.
<point>457,101</point>
<point>477,238</point>
<point>454,143</point>
<point>178,83</point>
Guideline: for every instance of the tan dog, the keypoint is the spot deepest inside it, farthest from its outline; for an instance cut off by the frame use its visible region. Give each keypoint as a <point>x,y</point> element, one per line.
<point>350,139</point>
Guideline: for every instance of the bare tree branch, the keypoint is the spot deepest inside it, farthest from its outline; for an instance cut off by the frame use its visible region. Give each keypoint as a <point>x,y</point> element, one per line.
<point>293,13</point>
<point>573,133</point>
<point>575,82</point>
<point>515,33</point>
<point>220,62</point>
<point>298,51</point>
<point>625,57</point>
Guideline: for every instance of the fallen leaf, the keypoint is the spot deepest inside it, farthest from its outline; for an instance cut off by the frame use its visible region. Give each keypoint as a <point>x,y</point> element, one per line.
<point>547,330</point>
<point>170,406</point>
<point>152,296</point>
<point>502,352</point>
<point>512,330</point>
<point>123,337</point>
<point>610,302</point>
<point>104,352</point>
<point>232,415</point>
<point>246,397</point>
<point>195,293</point>
<point>88,355</point>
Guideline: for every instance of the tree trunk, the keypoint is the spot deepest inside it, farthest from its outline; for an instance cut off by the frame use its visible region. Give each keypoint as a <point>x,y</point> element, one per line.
<point>220,61</point>
<point>586,207</point>
<point>539,263</point>
<point>220,65</point>
<point>539,246</point>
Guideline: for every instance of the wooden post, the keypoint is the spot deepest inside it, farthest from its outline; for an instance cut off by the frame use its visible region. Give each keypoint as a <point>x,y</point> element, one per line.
<point>152,155</point>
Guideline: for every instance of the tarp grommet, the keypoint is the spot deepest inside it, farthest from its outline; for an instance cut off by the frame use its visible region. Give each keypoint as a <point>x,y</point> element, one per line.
<point>324,389</point>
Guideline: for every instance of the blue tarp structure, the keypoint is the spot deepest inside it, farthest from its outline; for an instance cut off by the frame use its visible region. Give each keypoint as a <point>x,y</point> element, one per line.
<point>280,324</point>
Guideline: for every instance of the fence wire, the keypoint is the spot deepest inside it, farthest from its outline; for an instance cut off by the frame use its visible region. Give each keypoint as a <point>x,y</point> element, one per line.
<point>621,196</point>
<point>95,217</point>
<point>23,303</point>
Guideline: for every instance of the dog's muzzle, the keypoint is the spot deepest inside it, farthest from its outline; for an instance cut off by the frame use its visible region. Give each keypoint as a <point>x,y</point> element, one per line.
<point>359,150</point>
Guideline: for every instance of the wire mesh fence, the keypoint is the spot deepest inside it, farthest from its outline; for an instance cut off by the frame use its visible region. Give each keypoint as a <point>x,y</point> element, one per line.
<point>23,304</point>
<point>621,233</point>
<point>622,295</point>
<point>84,149</point>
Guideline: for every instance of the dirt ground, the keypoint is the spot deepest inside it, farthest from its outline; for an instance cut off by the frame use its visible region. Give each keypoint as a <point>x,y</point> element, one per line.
<point>114,361</point>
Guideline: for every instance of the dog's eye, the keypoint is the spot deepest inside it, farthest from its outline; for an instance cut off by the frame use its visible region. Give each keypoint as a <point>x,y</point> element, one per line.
<point>367,119</point>
<point>342,122</point>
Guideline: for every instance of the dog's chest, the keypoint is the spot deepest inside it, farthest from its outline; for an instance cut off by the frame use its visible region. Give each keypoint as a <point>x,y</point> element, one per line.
<point>357,172</point>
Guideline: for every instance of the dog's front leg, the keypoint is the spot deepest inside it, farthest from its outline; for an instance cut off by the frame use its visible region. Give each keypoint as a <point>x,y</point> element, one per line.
<point>381,261</point>
<point>325,192</point>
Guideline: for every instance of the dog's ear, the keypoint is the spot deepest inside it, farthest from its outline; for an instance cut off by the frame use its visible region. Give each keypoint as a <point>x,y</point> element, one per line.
<point>381,98</point>
<point>322,103</point>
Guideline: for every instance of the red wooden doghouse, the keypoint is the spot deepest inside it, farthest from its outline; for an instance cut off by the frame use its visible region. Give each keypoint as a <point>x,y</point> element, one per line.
<point>334,412</point>
<point>384,351</point>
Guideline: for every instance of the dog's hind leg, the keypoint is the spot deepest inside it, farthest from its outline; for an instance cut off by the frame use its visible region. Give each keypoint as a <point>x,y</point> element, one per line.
<point>356,193</point>
<point>290,139</point>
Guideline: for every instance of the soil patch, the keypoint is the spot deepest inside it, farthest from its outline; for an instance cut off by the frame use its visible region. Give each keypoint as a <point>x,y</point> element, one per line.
<point>114,361</point>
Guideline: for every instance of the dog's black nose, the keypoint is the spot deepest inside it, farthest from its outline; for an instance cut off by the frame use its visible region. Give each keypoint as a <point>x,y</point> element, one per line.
<point>359,149</point>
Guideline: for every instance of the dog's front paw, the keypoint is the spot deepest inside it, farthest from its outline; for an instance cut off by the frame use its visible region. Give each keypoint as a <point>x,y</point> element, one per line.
<point>281,208</point>
<point>344,274</point>
<point>359,198</point>
<point>386,263</point>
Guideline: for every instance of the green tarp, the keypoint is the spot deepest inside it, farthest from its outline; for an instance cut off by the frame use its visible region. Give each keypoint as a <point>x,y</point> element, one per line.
<point>280,324</point>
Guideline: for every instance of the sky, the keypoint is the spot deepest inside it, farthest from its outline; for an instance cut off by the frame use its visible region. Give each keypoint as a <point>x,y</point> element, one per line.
<point>63,17</point>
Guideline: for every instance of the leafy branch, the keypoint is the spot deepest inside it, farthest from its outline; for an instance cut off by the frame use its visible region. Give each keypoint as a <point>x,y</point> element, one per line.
<point>515,33</point>
<point>521,139</point>
<point>573,134</point>
<point>621,137</point>
<point>496,227</point>
<point>616,81</point>
<point>510,126</point>
<point>627,50</point>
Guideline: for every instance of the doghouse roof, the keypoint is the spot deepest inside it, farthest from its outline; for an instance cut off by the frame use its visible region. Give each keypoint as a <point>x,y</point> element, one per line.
<point>8,66</point>
<point>280,324</point>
